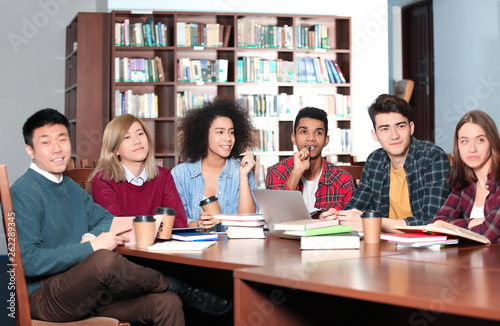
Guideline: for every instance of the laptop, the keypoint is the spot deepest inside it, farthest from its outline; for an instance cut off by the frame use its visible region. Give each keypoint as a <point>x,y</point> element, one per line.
<point>280,206</point>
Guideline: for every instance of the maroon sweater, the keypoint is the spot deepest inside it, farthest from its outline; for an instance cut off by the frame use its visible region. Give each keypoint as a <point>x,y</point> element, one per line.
<point>126,199</point>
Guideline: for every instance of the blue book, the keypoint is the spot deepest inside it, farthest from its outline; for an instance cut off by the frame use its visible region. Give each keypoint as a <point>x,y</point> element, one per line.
<point>194,236</point>
<point>335,73</point>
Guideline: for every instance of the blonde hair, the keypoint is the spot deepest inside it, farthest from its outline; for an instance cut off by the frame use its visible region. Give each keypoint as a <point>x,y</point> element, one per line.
<point>109,162</point>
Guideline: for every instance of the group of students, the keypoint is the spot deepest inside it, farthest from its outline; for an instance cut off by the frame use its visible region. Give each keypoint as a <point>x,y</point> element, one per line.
<point>64,233</point>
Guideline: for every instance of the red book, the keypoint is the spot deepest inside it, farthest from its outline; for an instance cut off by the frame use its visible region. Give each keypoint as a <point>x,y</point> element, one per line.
<point>412,237</point>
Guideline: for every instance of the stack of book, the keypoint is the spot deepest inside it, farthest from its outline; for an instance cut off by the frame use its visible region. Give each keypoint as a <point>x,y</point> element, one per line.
<point>418,240</point>
<point>446,229</point>
<point>321,234</point>
<point>243,226</point>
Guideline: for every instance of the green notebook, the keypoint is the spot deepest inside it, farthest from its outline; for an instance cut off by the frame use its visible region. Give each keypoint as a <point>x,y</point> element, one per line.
<point>321,231</point>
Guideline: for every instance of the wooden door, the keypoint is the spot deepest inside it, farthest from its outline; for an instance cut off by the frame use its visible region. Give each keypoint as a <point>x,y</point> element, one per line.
<point>418,65</point>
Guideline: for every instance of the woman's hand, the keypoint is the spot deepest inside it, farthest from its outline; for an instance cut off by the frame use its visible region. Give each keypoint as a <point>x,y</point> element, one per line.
<point>206,220</point>
<point>247,163</point>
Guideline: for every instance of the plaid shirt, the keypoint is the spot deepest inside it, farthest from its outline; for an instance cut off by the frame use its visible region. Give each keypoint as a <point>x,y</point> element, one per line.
<point>426,166</point>
<point>457,208</point>
<point>335,186</point>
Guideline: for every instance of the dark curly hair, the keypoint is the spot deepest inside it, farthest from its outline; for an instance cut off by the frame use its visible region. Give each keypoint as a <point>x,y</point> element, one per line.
<point>386,103</point>
<point>193,128</point>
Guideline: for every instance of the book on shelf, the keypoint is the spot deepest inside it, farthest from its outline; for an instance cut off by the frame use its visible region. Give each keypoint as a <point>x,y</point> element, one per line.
<point>320,231</point>
<point>242,232</point>
<point>252,34</point>
<point>186,100</point>
<point>339,72</point>
<point>304,224</point>
<point>313,37</point>
<point>412,237</point>
<point>139,69</point>
<point>345,240</point>
<point>288,105</point>
<point>181,246</point>
<point>194,236</point>
<point>141,34</point>
<point>264,140</point>
<point>139,105</point>
<point>199,70</point>
<point>200,34</point>
<point>442,227</point>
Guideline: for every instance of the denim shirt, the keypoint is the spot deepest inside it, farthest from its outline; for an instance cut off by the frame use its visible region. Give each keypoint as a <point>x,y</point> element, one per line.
<point>191,187</point>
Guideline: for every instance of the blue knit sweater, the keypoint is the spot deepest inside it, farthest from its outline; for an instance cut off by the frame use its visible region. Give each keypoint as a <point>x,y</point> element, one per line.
<point>51,219</point>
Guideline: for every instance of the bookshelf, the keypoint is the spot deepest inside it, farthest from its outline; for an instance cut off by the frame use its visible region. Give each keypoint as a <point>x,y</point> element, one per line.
<point>86,89</point>
<point>229,66</point>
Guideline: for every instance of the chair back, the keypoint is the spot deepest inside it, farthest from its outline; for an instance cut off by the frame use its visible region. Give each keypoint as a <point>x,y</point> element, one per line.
<point>404,89</point>
<point>355,171</point>
<point>81,176</point>
<point>22,304</point>
<point>22,307</point>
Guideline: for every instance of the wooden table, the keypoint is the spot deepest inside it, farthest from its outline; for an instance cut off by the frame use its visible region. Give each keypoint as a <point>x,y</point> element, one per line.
<point>275,283</point>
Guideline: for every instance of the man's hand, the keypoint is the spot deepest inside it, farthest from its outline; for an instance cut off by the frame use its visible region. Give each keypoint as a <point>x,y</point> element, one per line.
<point>475,221</point>
<point>109,240</point>
<point>301,160</point>
<point>351,217</point>
<point>330,214</point>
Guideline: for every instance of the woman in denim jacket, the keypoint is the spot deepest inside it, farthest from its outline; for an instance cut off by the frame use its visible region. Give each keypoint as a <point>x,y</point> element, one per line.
<point>211,138</point>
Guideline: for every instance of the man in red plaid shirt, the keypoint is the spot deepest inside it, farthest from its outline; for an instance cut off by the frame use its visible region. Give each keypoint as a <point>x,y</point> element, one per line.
<point>323,184</point>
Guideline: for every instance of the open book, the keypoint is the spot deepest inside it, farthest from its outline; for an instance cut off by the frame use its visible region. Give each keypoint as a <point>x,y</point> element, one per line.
<point>442,227</point>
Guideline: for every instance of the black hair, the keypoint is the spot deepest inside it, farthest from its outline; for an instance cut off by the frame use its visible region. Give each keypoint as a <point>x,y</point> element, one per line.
<point>312,113</point>
<point>194,127</point>
<point>41,118</point>
<point>386,103</point>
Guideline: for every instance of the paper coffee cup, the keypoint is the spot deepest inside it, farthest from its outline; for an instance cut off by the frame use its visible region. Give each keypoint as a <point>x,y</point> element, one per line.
<point>167,222</point>
<point>211,205</point>
<point>372,224</point>
<point>144,228</point>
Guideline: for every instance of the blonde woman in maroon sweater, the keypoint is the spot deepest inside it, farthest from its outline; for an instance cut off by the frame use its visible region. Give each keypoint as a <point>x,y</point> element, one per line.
<point>127,181</point>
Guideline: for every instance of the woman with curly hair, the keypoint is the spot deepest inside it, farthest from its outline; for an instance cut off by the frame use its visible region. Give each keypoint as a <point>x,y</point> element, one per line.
<point>127,181</point>
<point>211,138</point>
<point>474,201</point>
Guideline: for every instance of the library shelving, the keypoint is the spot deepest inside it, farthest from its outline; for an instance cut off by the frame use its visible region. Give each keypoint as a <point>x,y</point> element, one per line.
<point>162,63</point>
<point>87,82</point>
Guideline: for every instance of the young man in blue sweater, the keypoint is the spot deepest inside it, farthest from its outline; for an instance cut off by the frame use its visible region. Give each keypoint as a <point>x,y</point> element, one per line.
<point>67,248</point>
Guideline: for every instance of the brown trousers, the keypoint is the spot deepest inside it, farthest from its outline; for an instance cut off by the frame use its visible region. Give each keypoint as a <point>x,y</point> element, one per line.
<point>107,284</point>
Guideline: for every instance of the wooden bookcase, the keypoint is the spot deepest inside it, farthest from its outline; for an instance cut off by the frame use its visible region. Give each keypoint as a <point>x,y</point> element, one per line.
<point>87,83</point>
<point>163,127</point>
